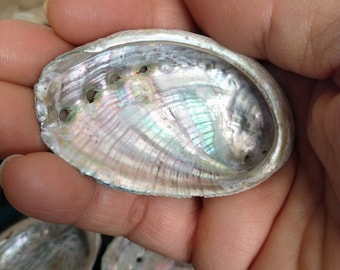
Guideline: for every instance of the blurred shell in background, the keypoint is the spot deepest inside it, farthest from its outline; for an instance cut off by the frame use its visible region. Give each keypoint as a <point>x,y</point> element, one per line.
<point>28,10</point>
<point>33,244</point>
<point>123,254</point>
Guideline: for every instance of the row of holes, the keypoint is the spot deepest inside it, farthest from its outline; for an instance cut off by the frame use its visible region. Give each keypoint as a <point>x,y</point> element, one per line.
<point>90,95</point>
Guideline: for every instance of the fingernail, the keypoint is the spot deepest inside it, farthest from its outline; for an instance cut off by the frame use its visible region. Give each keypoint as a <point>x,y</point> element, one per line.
<point>6,161</point>
<point>45,6</point>
<point>45,12</point>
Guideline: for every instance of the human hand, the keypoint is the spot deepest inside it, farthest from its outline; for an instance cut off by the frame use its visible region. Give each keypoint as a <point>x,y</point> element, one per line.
<point>291,221</point>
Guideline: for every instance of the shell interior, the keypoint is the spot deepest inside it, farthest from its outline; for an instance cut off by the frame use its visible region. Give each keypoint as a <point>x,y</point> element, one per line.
<point>164,113</point>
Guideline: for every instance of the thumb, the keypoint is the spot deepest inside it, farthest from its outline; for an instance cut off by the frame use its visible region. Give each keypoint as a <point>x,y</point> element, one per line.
<point>299,36</point>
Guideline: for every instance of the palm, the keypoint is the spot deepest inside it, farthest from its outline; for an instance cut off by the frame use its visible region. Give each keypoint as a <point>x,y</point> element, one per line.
<point>290,221</point>
<point>305,231</point>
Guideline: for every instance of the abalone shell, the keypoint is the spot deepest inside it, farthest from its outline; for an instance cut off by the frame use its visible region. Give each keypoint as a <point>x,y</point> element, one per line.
<point>164,112</point>
<point>32,244</point>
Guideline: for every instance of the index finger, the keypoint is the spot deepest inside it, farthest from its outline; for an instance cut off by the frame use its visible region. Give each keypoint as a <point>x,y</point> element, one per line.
<point>25,48</point>
<point>80,21</point>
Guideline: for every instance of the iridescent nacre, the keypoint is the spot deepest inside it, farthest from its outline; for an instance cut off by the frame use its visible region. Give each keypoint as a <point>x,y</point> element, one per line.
<point>33,244</point>
<point>124,254</point>
<point>164,112</point>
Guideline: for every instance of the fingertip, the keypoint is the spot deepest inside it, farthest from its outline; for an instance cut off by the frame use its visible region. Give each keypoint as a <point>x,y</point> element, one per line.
<point>25,48</point>
<point>5,163</point>
<point>81,21</point>
<point>20,130</point>
<point>43,186</point>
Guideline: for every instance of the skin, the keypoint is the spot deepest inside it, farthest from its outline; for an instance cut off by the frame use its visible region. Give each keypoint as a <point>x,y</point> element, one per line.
<point>292,221</point>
